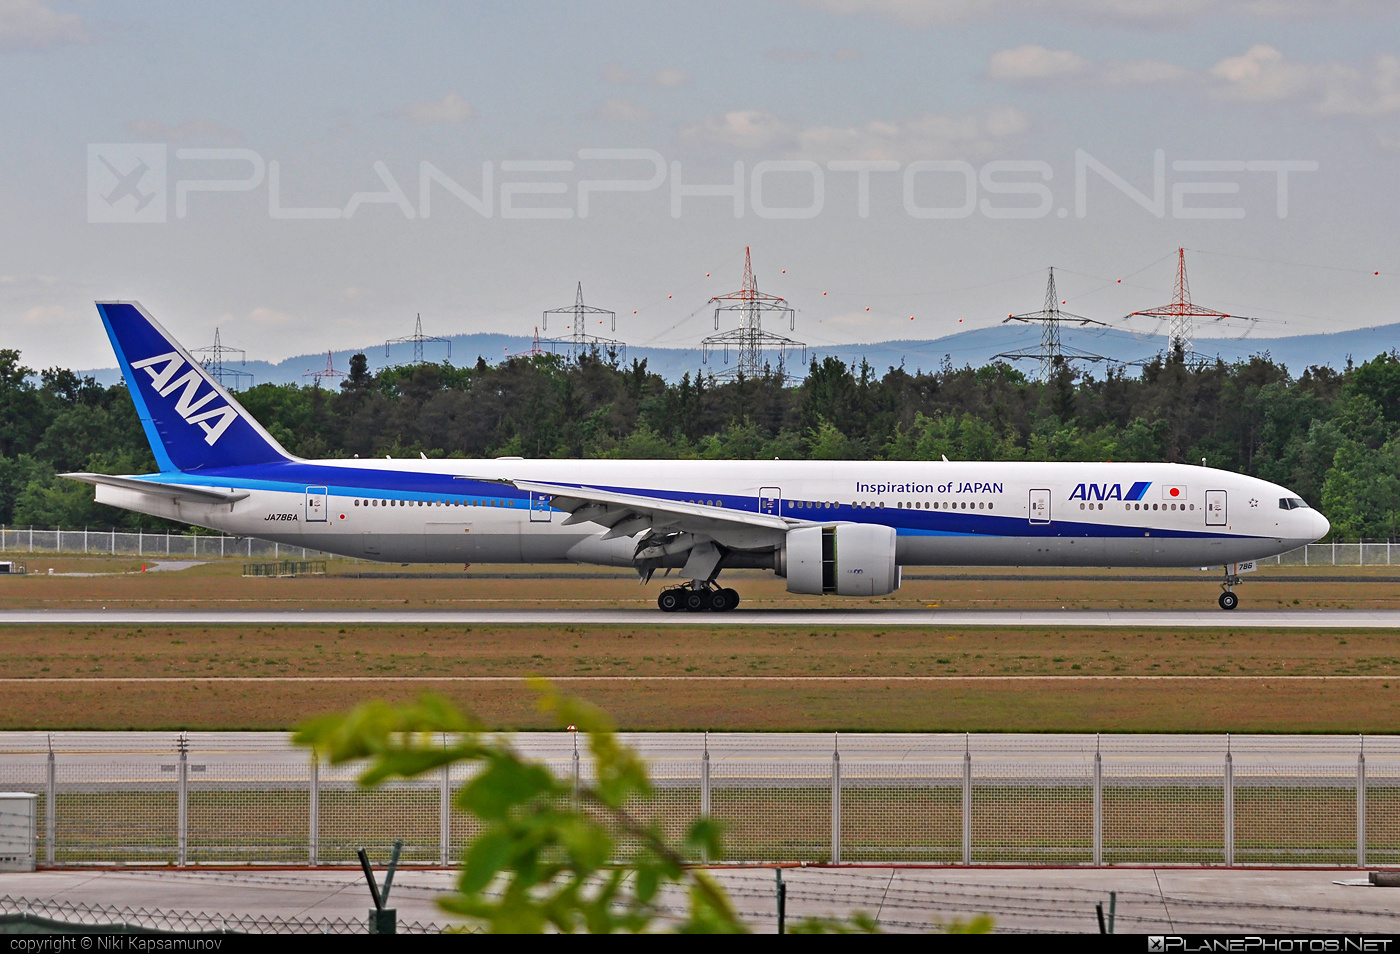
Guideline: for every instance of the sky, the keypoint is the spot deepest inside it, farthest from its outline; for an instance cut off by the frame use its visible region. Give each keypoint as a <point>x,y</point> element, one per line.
<point>313,176</point>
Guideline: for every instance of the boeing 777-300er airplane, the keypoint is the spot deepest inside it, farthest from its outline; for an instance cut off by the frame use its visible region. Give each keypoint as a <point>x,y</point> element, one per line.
<point>843,527</point>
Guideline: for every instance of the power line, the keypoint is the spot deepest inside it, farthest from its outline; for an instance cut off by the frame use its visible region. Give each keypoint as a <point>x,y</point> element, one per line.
<point>228,377</point>
<point>579,341</point>
<point>1051,353</point>
<point>749,340</point>
<point>418,339</point>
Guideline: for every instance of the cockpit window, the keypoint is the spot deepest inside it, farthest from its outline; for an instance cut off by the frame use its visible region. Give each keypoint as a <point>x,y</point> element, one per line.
<point>1291,503</point>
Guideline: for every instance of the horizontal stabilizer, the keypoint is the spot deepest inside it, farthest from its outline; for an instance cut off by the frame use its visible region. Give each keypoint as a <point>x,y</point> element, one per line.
<point>172,491</point>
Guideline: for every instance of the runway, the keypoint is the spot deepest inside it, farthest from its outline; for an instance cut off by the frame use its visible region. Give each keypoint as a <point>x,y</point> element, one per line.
<point>875,617</point>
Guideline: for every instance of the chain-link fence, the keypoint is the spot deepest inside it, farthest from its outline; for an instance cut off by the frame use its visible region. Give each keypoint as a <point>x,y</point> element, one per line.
<point>219,799</point>
<point>204,546</point>
<point>144,543</point>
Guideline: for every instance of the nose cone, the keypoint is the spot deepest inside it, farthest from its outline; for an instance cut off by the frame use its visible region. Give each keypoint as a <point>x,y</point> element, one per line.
<point>1320,524</point>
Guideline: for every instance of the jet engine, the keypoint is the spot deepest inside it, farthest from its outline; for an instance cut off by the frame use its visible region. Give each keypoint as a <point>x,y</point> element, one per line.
<point>848,559</point>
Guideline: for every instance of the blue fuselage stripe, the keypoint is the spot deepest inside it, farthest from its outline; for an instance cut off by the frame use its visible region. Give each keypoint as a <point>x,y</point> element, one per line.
<point>295,476</point>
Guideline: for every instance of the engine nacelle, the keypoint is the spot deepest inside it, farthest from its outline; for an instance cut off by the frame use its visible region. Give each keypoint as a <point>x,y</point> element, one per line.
<point>848,559</point>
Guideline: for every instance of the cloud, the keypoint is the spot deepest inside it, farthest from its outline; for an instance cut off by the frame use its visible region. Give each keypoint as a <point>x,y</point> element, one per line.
<point>668,78</point>
<point>844,54</point>
<point>1134,13</point>
<point>451,110</point>
<point>266,316</point>
<point>191,130</point>
<point>34,25</point>
<point>929,136</point>
<point>47,315</point>
<point>621,111</point>
<point>1262,74</point>
<point>1032,63</point>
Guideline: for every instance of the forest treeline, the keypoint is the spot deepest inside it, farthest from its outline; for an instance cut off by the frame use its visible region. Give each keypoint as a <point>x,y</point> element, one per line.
<point>1332,436</point>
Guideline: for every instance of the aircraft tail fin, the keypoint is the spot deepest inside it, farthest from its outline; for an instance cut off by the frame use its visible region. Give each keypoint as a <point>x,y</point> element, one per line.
<point>190,420</point>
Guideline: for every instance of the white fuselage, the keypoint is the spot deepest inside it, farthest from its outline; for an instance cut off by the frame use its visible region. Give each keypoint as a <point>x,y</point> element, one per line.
<point>944,513</point>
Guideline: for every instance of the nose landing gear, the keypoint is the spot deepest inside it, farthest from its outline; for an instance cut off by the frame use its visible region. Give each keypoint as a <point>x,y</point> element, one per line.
<point>698,596</point>
<point>1228,599</point>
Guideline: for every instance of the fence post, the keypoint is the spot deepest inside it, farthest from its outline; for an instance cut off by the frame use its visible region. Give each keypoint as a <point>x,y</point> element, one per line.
<point>85,531</point>
<point>222,538</point>
<point>167,543</point>
<point>112,539</point>
<point>313,814</point>
<point>836,802</point>
<point>1098,808</point>
<point>445,814</point>
<point>705,789</point>
<point>140,543</point>
<point>182,803</point>
<point>1361,804</point>
<point>31,538</point>
<point>58,539</point>
<point>50,807</point>
<point>1229,806</point>
<point>576,769</point>
<point>967,803</point>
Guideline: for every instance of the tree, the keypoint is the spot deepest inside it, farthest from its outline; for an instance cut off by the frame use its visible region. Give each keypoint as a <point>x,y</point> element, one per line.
<point>546,858</point>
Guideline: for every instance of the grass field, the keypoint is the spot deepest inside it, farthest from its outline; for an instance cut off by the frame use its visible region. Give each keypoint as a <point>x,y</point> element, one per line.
<point>698,676</point>
<point>713,677</point>
<point>119,582</point>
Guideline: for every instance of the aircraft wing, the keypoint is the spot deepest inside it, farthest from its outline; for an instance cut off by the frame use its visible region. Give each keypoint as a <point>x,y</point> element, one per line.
<point>173,491</point>
<point>629,514</point>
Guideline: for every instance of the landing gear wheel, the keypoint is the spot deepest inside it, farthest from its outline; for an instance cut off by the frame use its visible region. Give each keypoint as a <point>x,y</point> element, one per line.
<point>1228,600</point>
<point>731,598</point>
<point>669,601</point>
<point>697,601</point>
<point>716,601</point>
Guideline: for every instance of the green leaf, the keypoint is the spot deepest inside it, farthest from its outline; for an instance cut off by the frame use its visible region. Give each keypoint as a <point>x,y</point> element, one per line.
<point>484,860</point>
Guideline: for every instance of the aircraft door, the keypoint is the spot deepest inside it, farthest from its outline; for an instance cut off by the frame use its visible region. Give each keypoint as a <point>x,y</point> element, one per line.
<point>1040,506</point>
<point>1216,513</point>
<point>540,510</point>
<point>315,504</point>
<point>770,500</point>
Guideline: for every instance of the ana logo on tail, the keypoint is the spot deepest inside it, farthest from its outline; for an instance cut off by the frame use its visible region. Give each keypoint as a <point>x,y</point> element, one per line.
<point>163,369</point>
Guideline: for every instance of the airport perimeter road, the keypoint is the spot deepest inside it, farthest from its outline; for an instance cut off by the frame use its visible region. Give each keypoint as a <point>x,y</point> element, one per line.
<point>82,752</point>
<point>1166,619</point>
<point>900,899</point>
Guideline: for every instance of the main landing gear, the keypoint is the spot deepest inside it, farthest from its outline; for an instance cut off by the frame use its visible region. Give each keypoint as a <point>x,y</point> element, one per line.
<point>698,596</point>
<point>1228,599</point>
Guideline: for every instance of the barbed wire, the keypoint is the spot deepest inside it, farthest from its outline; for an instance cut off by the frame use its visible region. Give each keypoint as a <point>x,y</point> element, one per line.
<point>126,917</point>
